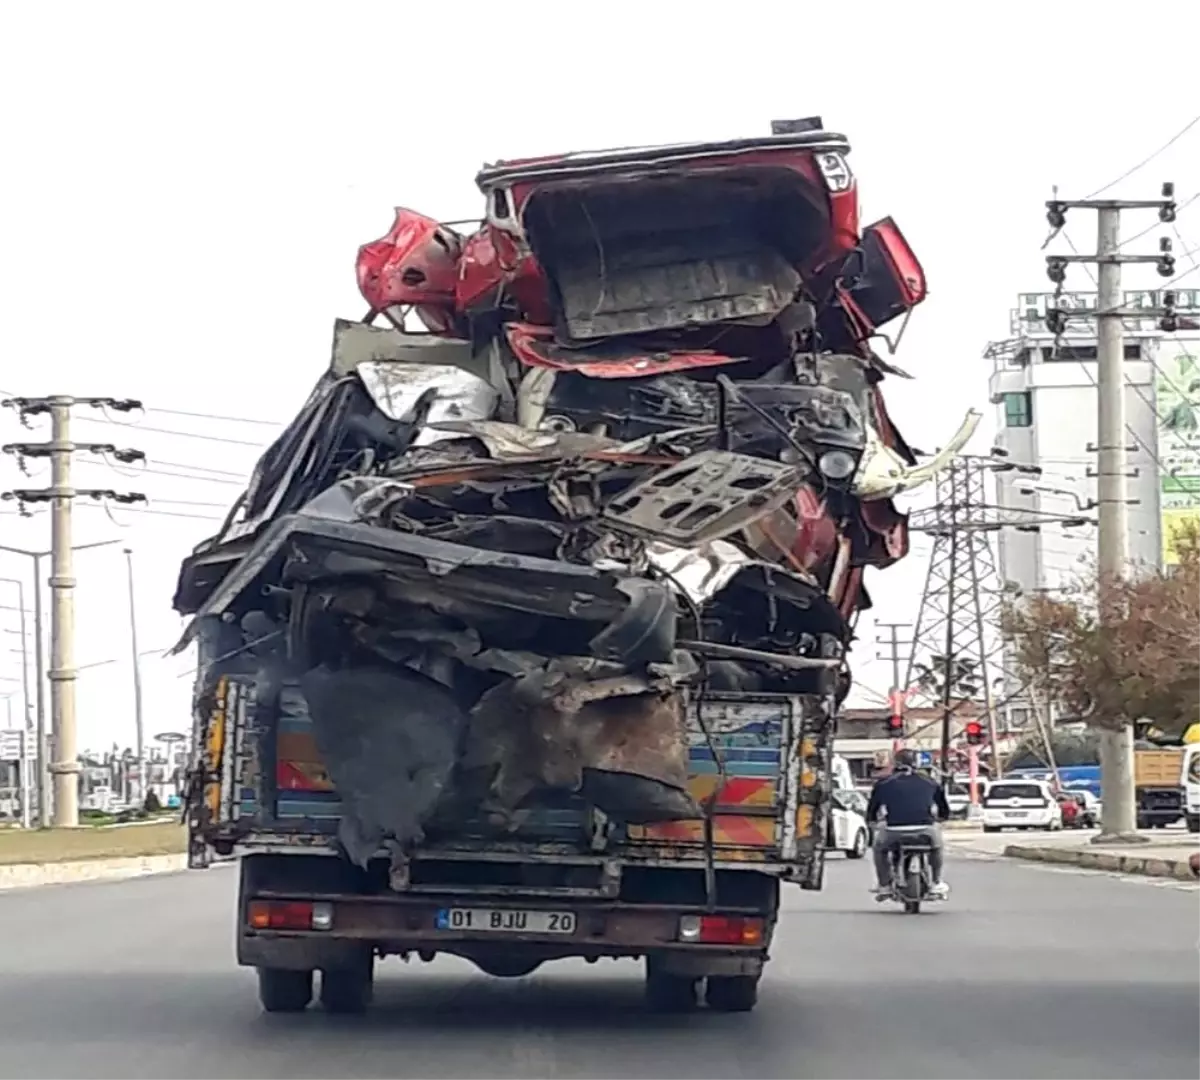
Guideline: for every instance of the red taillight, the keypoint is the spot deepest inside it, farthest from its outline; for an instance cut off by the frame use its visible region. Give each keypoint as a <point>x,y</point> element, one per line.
<point>721,929</point>
<point>280,915</point>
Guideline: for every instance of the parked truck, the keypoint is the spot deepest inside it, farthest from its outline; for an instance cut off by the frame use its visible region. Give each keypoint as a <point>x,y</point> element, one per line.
<point>1158,782</point>
<point>526,638</point>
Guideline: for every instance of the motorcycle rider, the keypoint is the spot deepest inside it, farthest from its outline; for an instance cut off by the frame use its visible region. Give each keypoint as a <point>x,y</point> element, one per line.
<point>911,802</point>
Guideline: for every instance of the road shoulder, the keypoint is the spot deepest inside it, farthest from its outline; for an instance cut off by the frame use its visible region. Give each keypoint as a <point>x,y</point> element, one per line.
<point>1161,862</point>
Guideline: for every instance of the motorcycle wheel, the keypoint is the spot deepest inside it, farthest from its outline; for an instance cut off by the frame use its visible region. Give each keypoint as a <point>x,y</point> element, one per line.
<point>913,878</point>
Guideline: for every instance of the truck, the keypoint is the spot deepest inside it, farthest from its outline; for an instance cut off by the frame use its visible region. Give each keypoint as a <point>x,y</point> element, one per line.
<point>1158,782</point>
<point>526,639</point>
<point>1191,785</point>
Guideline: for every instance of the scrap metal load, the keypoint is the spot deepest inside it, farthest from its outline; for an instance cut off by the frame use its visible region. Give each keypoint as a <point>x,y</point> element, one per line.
<point>639,452</point>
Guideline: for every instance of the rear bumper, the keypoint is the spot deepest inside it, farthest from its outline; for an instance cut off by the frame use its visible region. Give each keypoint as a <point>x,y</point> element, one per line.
<point>400,925</point>
<point>1034,819</point>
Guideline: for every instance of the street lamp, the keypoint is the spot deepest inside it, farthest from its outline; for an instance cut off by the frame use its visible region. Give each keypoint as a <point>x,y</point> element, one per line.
<point>43,749</point>
<point>170,739</point>
<point>1050,489</point>
<point>28,717</point>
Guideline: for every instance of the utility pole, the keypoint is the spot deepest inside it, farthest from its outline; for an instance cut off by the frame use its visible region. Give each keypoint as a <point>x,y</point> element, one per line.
<point>1117,787</point>
<point>64,769</point>
<point>135,659</point>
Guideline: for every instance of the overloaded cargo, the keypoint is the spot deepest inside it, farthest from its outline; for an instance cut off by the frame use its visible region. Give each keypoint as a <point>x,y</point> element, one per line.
<point>586,487</point>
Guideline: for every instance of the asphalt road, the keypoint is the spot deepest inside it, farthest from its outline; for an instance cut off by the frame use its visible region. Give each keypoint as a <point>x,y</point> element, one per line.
<point>1026,972</point>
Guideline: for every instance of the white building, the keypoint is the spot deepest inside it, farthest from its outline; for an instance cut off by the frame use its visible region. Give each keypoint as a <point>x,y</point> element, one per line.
<point>1045,397</point>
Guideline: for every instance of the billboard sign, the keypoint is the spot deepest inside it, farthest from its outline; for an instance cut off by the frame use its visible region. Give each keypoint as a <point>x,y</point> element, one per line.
<point>10,744</point>
<point>1029,317</point>
<point>1177,392</point>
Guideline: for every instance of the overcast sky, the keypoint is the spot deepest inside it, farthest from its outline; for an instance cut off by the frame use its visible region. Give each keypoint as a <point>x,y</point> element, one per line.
<point>185,187</point>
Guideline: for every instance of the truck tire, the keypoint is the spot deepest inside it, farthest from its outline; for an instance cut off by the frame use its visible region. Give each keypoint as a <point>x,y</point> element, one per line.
<point>282,991</point>
<point>731,993</point>
<point>669,993</point>
<point>1193,823</point>
<point>859,848</point>
<point>348,990</point>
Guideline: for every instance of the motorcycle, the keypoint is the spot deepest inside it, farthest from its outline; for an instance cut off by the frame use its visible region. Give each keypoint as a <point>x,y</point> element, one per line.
<point>912,878</point>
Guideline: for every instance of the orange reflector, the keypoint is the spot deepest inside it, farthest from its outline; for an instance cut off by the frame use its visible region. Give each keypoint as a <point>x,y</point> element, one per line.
<point>280,915</point>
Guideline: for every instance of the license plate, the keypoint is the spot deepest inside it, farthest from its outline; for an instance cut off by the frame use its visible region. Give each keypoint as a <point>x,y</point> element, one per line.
<point>1016,813</point>
<point>506,920</point>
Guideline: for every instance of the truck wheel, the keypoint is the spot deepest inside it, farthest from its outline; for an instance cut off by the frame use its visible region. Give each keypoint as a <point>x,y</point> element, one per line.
<point>348,989</point>
<point>668,993</point>
<point>859,848</point>
<point>282,991</point>
<point>1193,823</point>
<point>732,993</point>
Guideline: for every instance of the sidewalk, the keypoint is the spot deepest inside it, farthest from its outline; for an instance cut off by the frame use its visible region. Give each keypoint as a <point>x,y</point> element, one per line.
<point>1165,855</point>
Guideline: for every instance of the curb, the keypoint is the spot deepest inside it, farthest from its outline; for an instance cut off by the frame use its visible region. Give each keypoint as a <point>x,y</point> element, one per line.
<point>1148,865</point>
<point>25,875</point>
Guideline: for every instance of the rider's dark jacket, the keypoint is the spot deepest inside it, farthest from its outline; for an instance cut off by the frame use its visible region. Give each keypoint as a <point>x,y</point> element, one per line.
<point>909,799</point>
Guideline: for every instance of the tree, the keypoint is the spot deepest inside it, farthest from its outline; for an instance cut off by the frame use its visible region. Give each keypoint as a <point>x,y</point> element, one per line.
<point>1143,663</point>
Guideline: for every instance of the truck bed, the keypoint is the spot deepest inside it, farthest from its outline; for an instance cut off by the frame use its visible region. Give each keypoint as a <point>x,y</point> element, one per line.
<point>759,764</point>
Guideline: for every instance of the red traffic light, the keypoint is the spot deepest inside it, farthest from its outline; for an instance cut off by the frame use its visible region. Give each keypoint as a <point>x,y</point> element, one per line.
<point>895,724</point>
<point>974,732</point>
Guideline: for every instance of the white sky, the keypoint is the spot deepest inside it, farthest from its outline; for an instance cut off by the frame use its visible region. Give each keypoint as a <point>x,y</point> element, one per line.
<point>184,188</point>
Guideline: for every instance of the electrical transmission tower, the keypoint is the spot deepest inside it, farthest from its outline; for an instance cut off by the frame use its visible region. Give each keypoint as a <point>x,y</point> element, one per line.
<point>957,645</point>
<point>60,450</point>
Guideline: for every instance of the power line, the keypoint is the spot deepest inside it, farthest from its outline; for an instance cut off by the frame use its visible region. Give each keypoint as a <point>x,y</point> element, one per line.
<point>216,416</point>
<point>159,513</point>
<point>181,476</point>
<point>1179,277</point>
<point>1146,161</point>
<point>176,434</point>
<point>240,477</point>
<point>189,502</point>
<point>1158,224</point>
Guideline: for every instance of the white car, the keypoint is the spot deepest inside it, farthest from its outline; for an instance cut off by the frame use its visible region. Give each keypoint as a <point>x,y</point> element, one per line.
<point>848,824</point>
<point>1020,804</point>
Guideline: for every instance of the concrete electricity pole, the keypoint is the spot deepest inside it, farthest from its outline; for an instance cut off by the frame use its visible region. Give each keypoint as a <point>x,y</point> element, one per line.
<point>61,496</point>
<point>1117,787</point>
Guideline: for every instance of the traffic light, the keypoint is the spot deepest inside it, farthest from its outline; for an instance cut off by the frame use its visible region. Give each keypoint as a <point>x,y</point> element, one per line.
<point>895,720</point>
<point>974,730</point>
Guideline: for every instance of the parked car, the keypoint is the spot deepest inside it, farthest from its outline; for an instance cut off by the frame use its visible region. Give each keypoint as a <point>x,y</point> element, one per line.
<point>1020,804</point>
<point>848,824</point>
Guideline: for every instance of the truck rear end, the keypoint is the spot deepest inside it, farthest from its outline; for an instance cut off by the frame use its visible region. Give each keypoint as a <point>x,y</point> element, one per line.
<point>1158,780</point>
<point>695,899</point>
